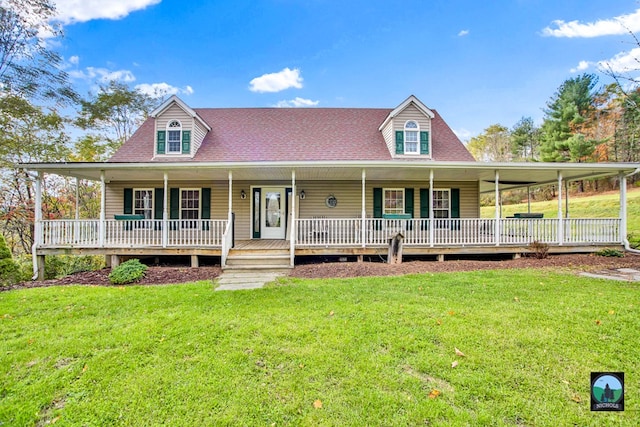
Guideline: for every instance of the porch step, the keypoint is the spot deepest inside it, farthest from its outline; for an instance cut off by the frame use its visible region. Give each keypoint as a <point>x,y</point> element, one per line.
<point>241,279</point>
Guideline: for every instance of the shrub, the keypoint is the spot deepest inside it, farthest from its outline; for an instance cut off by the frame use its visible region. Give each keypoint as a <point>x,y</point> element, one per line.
<point>127,272</point>
<point>64,265</point>
<point>539,250</point>
<point>609,252</point>
<point>9,269</point>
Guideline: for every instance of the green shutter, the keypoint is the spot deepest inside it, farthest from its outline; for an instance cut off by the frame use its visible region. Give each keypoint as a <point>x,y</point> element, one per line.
<point>377,202</point>
<point>128,201</point>
<point>399,142</point>
<point>424,142</point>
<point>205,207</point>
<point>158,203</point>
<point>186,142</point>
<point>161,142</point>
<point>455,203</point>
<point>408,205</point>
<point>174,206</point>
<point>424,206</point>
<point>377,207</point>
<point>455,208</point>
<point>174,203</point>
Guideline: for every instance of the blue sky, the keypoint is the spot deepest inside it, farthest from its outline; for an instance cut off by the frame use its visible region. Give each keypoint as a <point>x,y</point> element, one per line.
<point>477,62</point>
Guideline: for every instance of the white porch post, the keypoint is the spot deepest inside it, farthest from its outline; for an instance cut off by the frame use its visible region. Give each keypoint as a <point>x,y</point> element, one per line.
<point>560,221</point>
<point>38,261</point>
<point>103,202</point>
<point>496,230</point>
<point>77,215</point>
<point>431,225</point>
<point>230,213</point>
<point>623,208</point>
<point>363,215</point>
<point>165,211</point>
<point>294,234</point>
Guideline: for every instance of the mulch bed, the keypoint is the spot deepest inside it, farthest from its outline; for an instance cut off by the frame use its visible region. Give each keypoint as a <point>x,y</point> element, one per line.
<point>169,275</point>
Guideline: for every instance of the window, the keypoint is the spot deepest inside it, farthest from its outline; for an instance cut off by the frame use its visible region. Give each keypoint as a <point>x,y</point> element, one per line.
<point>174,137</point>
<point>441,204</point>
<point>189,207</point>
<point>393,201</point>
<point>143,202</point>
<point>411,137</point>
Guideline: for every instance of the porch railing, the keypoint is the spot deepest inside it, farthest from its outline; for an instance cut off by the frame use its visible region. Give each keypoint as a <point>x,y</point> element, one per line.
<point>131,233</point>
<point>456,232</point>
<point>334,232</point>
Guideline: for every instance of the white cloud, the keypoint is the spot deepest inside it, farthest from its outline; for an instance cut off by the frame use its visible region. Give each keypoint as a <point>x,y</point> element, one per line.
<point>276,82</point>
<point>160,90</point>
<point>70,11</point>
<point>604,27</point>
<point>582,65</point>
<point>102,75</point>
<point>623,62</point>
<point>74,60</point>
<point>463,33</point>
<point>297,102</point>
<point>463,134</point>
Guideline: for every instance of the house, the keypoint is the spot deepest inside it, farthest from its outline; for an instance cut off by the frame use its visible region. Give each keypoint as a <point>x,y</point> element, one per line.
<point>267,185</point>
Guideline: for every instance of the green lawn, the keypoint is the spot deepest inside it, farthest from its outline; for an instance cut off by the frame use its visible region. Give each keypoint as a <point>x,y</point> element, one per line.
<point>605,205</point>
<point>366,351</point>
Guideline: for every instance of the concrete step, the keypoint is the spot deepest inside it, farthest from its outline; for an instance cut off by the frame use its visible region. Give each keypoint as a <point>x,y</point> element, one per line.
<point>241,279</point>
<point>257,267</point>
<point>279,260</point>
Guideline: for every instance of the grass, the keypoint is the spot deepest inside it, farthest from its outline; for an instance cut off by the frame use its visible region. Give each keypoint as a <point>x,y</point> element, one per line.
<point>365,351</point>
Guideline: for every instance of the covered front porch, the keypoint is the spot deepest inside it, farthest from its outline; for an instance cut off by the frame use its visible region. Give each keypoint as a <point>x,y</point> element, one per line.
<point>359,232</point>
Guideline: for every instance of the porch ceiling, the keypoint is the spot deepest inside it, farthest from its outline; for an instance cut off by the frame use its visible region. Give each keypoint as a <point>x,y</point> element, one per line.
<point>511,175</point>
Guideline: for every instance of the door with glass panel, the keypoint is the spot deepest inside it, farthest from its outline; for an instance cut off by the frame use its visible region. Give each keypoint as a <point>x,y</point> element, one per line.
<point>272,212</point>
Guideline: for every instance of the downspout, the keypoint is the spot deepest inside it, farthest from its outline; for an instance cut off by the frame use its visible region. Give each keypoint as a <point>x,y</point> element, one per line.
<point>623,210</point>
<point>37,235</point>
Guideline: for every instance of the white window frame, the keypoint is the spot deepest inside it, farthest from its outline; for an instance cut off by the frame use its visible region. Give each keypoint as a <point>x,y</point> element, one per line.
<point>171,128</point>
<point>412,130</point>
<point>136,210</point>
<point>384,201</point>
<point>187,222</point>
<point>433,203</point>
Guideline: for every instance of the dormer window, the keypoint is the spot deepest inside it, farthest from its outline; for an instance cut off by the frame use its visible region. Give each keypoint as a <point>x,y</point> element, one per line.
<point>173,140</point>
<point>411,132</point>
<point>174,137</point>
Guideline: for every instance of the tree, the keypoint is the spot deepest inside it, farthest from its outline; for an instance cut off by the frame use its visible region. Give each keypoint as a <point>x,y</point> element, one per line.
<point>525,140</point>
<point>29,134</point>
<point>116,111</point>
<point>493,145</point>
<point>28,68</point>
<point>565,118</point>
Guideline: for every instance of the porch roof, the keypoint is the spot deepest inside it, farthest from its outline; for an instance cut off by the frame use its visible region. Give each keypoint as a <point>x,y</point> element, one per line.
<point>511,175</point>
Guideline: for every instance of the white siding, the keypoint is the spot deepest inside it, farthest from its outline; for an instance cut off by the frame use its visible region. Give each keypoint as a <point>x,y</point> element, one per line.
<point>174,112</point>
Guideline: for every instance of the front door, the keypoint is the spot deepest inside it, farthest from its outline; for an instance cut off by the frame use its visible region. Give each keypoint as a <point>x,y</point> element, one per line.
<point>272,213</point>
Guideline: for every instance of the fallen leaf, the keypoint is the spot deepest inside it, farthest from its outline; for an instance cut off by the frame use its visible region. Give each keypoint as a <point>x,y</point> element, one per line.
<point>434,393</point>
<point>598,322</point>
<point>576,399</point>
<point>317,404</point>
<point>612,312</point>
<point>331,313</point>
<point>55,420</point>
<point>459,353</point>
<point>439,322</point>
<point>84,369</point>
<point>516,299</point>
<point>454,364</point>
<point>451,312</point>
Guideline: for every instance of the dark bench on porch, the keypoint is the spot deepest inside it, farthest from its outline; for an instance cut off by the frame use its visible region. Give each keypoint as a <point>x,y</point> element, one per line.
<point>527,215</point>
<point>129,218</point>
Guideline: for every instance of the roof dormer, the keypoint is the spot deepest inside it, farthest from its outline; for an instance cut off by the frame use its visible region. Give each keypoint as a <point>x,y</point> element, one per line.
<point>179,129</point>
<point>407,130</point>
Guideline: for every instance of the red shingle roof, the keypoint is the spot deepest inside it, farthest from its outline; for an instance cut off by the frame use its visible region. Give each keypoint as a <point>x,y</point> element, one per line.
<point>290,134</point>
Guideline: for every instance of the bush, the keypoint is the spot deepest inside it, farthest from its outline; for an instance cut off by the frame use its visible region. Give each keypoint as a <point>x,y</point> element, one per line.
<point>127,272</point>
<point>608,252</point>
<point>9,269</point>
<point>63,265</point>
<point>539,250</point>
